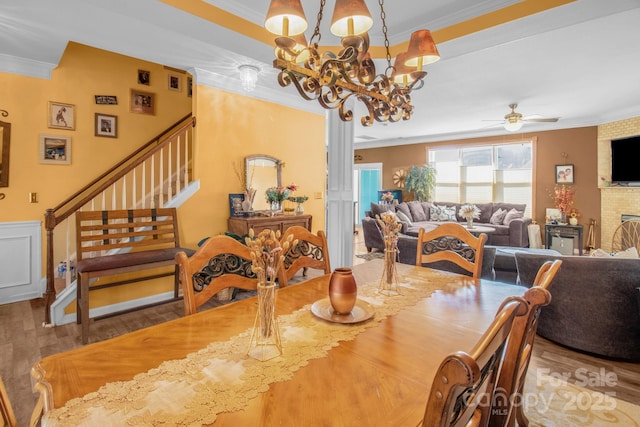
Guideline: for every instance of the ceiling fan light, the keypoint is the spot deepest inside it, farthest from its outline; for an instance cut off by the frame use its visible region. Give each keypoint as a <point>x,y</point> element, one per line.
<point>422,50</point>
<point>286,18</point>
<point>513,126</point>
<point>350,17</point>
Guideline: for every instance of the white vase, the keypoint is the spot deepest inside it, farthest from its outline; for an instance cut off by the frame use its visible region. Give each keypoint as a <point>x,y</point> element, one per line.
<point>573,221</point>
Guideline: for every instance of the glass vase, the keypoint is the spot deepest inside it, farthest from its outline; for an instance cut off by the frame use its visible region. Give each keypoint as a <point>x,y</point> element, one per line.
<point>265,341</point>
<point>469,222</point>
<point>299,209</point>
<point>389,281</point>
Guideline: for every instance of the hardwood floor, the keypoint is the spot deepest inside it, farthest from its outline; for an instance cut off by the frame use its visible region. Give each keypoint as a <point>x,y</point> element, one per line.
<point>23,341</point>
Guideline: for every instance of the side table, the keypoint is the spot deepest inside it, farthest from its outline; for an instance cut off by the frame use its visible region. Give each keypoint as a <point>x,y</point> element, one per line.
<point>564,238</point>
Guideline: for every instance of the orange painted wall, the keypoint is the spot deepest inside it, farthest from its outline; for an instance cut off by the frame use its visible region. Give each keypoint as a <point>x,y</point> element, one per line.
<point>580,145</point>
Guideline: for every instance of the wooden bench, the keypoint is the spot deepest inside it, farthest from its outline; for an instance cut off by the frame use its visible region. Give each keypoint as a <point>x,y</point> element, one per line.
<point>115,242</point>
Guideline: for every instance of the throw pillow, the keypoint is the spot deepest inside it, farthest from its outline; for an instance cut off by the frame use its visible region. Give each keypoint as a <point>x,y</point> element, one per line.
<point>632,253</point>
<point>511,215</point>
<point>498,217</point>
<point>417,213</point>
<point>404,208</point>
<point>442,213</point>
<point>426,207</point>
<point>379,209</point>
<point>402,217</point>
<point>600,253</point>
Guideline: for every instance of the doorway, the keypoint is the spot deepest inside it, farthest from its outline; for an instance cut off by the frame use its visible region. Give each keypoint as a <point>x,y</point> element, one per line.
<point>367,180</point>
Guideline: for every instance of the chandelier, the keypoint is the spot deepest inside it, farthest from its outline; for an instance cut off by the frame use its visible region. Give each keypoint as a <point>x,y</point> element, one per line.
<point>332,78</point>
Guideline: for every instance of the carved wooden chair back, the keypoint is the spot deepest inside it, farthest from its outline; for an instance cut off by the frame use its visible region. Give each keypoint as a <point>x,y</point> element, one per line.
<point>508,402</point>
<point>464,385</point>
<point>221,262</point>
<point>310,251</point>
<point>7,416</point>
<point>451,242</point>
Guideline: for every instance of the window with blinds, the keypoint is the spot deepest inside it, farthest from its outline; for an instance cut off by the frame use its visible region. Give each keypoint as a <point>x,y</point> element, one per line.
<point>481,174</point>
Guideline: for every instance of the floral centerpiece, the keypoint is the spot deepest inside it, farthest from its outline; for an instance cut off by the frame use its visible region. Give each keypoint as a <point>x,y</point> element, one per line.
<point>390,227</point>
<point>387,197</point>
<point>267,256</point>
<point>276,195</point>
<point>299,200</point>
<point>469,212</point>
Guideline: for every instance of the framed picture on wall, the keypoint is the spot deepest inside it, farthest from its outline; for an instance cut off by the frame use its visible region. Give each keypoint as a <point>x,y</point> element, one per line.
<point>62,116</point>
<point>55,149</point>
<point>564,174</point>
<point>106,125</point>
<point>142,102</point>
<point>174,82</point>
<point>144,77</point>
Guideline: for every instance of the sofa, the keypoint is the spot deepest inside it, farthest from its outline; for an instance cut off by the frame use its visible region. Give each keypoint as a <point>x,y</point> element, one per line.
<point>428,215</point>
<point>595,303</point>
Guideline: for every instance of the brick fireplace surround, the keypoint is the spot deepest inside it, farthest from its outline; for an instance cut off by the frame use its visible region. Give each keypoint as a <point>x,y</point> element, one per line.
<point>614,201</point>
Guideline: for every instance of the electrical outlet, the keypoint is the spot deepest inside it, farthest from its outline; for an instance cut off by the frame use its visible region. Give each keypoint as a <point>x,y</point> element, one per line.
<point>317,195</point>
<point>33,197</point>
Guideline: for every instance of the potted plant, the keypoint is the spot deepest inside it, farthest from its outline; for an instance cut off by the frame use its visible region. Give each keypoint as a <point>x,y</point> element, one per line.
<point>421,180</point>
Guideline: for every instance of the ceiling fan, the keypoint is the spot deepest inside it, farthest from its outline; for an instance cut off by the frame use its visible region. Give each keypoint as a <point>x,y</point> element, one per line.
<point>514,121</point>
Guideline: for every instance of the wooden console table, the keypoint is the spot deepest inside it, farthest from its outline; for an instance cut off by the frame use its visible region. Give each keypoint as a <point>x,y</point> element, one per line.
<point>560,232</point>
<point>240,225</point>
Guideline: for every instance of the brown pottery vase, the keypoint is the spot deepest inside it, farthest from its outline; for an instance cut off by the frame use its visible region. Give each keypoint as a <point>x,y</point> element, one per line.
<point>342,290</point>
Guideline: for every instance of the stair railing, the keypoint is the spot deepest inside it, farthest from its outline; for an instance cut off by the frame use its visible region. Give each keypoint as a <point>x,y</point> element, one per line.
<point>148,177</point>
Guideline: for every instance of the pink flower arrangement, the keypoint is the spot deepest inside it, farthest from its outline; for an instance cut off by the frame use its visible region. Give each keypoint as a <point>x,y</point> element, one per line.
<point>562,196</point>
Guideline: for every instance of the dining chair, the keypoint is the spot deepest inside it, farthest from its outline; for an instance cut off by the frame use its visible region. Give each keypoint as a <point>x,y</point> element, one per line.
<point>221,262</point>
<point>508,407</point>
<point>464,385</point>
<point>308,250</point>
<point>452,243</point>
<point>6,412</point>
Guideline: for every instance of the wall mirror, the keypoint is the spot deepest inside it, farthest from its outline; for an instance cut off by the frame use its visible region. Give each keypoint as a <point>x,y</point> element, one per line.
<point>262,172</point>
<point>5,140</point>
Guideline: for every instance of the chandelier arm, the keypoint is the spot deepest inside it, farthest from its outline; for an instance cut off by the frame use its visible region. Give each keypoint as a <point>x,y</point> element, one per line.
<point>286,77</point>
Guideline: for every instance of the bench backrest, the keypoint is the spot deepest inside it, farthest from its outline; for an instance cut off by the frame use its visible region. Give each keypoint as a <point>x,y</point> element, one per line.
<point>100,232</point>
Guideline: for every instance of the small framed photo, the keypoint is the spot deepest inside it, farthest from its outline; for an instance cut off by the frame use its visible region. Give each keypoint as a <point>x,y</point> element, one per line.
<point>553,215</point>
<point>106,125</point>
<point>189,86</point>
<point>564,174</point>
<point>55,149</point>
<point>106,99</point>
<point>144,77</point>
<point>235,204</point>
<point>174,82</point>
<point>142,102</point>
<point>62,116</point>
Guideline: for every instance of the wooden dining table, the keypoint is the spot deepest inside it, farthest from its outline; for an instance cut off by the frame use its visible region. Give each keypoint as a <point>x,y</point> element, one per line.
<point>380,376</point>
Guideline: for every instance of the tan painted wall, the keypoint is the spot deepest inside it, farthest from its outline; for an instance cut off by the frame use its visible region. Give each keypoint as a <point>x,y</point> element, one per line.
<point>579,144</point>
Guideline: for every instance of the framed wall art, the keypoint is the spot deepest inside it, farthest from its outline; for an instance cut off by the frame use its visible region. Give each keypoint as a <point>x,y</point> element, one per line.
<point>564,174</point>
<point>144,77</point>
<point>142,102</point>
<point>61,116</point>
<point>106,125</point>
<point>189,86</point>
<point>55,149</point>
<point>174,82</point>
<point>106,100</point>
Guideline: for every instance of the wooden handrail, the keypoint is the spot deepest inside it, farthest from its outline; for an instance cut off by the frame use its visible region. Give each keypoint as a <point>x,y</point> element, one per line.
<point>94,188</point>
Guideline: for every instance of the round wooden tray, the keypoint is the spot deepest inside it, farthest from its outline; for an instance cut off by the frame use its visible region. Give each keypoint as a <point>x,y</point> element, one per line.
<point>361,311</point>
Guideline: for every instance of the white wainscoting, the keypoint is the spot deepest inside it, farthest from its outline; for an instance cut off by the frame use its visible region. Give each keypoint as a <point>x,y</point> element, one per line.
<point>20,261</point>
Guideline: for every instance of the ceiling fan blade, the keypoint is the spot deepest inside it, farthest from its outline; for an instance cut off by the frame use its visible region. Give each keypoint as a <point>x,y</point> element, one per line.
<point>541,120</point>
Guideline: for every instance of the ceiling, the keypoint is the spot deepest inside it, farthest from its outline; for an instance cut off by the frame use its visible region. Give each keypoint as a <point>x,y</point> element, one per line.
<point>578,61</point>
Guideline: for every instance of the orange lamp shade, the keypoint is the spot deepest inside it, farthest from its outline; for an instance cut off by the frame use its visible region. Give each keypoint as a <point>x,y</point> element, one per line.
<point>350,17</point>
<point>286,18</point>
<point>422,50</point>
<point>402,73</point>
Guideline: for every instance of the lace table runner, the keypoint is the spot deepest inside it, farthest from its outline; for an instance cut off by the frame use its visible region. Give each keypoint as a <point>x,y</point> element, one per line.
<point>221,377</point>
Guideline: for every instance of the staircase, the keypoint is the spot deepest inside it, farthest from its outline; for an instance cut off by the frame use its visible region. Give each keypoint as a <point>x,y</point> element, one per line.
<point>157,174</point>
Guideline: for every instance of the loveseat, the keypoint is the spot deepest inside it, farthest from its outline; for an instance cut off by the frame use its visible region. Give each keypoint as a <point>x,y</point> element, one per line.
<point>428,215</point>
<point>595,303</point>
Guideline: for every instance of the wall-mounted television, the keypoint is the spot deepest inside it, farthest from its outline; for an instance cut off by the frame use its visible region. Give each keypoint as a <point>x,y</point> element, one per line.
<point>625,162</point>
